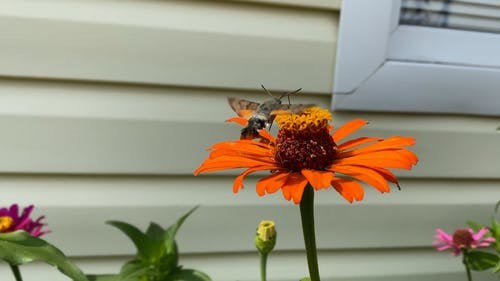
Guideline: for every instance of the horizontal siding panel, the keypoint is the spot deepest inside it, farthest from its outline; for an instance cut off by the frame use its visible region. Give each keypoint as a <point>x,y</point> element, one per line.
<point>406,264</point>
<point>77,208</point>
<point>79,128</point>
<point>448,146</point>
<point>32,144</point>
<point>62,99</point>
<point>314,4</point>
<point>228,45</point>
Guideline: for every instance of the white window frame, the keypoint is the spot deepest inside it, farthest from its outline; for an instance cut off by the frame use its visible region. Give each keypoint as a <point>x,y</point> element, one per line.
<point>384,66</point>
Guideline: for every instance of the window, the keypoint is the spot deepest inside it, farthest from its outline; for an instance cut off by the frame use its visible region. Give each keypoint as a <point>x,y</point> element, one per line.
<point>388,60</point>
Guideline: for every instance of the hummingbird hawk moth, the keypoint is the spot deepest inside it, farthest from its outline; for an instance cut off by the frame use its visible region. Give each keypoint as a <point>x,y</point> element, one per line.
<point>261,115</point>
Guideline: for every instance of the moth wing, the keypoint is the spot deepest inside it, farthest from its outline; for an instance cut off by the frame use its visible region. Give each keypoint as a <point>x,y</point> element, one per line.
<point>246,113</point>
<point>279,112</point>
<point>290,108</point>
<point>244,108</point>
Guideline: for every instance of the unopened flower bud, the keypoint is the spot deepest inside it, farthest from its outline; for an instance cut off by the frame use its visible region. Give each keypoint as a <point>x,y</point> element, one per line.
<point>265,239</point>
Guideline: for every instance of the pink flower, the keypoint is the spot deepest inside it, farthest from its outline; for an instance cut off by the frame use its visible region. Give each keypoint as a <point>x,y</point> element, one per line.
<point>10,221</point>
<point>461,239</point>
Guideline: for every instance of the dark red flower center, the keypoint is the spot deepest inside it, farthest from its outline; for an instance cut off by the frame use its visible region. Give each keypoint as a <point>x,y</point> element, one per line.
<point>463,238</point>
<point>305,149</point>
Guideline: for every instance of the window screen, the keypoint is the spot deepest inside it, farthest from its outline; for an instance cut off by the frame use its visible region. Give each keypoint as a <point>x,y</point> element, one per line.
<point>475,15</point>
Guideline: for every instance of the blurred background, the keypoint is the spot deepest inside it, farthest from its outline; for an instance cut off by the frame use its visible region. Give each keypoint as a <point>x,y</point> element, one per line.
<point>107,107</point>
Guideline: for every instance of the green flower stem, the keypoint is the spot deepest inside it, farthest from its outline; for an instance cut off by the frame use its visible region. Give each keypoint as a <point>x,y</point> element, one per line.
<point>263,265</point>
<point>16,272</point>
<point>307,216</point>
<point>265,240</point>
<point>469,275</point>
<point>465,261</point>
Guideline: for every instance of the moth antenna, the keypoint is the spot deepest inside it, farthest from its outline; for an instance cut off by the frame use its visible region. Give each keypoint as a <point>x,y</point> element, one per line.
<point>290,93</point>
<point>269,93</point>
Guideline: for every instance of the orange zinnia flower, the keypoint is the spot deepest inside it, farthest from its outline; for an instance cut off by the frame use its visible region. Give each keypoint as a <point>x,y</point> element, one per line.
<point>305,152</point>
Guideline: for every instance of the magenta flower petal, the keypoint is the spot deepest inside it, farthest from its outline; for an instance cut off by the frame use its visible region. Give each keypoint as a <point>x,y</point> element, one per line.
<point>443,236</point>
<point>14,211</point>
<point>26,213</point>
<point>442,248</point>
<point>480,233</point>
<point>23,221</point>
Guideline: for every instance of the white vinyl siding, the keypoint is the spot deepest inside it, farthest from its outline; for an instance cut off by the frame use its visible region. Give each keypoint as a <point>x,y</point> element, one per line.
<point>107,107</point>
<point>186,43</point>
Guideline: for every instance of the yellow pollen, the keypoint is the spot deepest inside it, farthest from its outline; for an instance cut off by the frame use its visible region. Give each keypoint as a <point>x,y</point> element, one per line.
<point>5,223</point>
<point>313,118</point>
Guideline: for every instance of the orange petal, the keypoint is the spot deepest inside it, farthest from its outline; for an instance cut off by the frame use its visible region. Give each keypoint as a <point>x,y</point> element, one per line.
<point>229,162</point>
<point>251,150</point>
<point>266,135</point>
<point>238,182</point>
<point>294,187</point>
<point>272,183</point>
<point>348,128</point>
<point>242,145</point>
<point>349,189</point>
<point>356,142</point>
<point>388,175</point>
<point>239,144</point>
<point>318,179</point>
<point>390,143</point>
<point>397,158</point>
<point>363,174</point>
<point>238,120</point>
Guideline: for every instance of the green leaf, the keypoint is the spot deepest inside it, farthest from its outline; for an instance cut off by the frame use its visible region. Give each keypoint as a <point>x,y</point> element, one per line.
<point>169,262</point>
<point>475,225</point>
<point>187,275</point>
<point>135,270</point>
<point>157,252</point>
<point>103,277</point>
<point>480,261</point>
<point>495,227</point>
<point>497,268</point>
<point>155,231</point>
<point>140,240</point>
<point>20,247</point>
<point>497,205</point>
<point>495,232</point>
<point>305,279</point>
<point>155,249</point>
<point>169,235</point>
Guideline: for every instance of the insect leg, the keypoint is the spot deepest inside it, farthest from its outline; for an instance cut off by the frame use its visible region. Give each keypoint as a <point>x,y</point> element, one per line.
<point>270,126</point>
